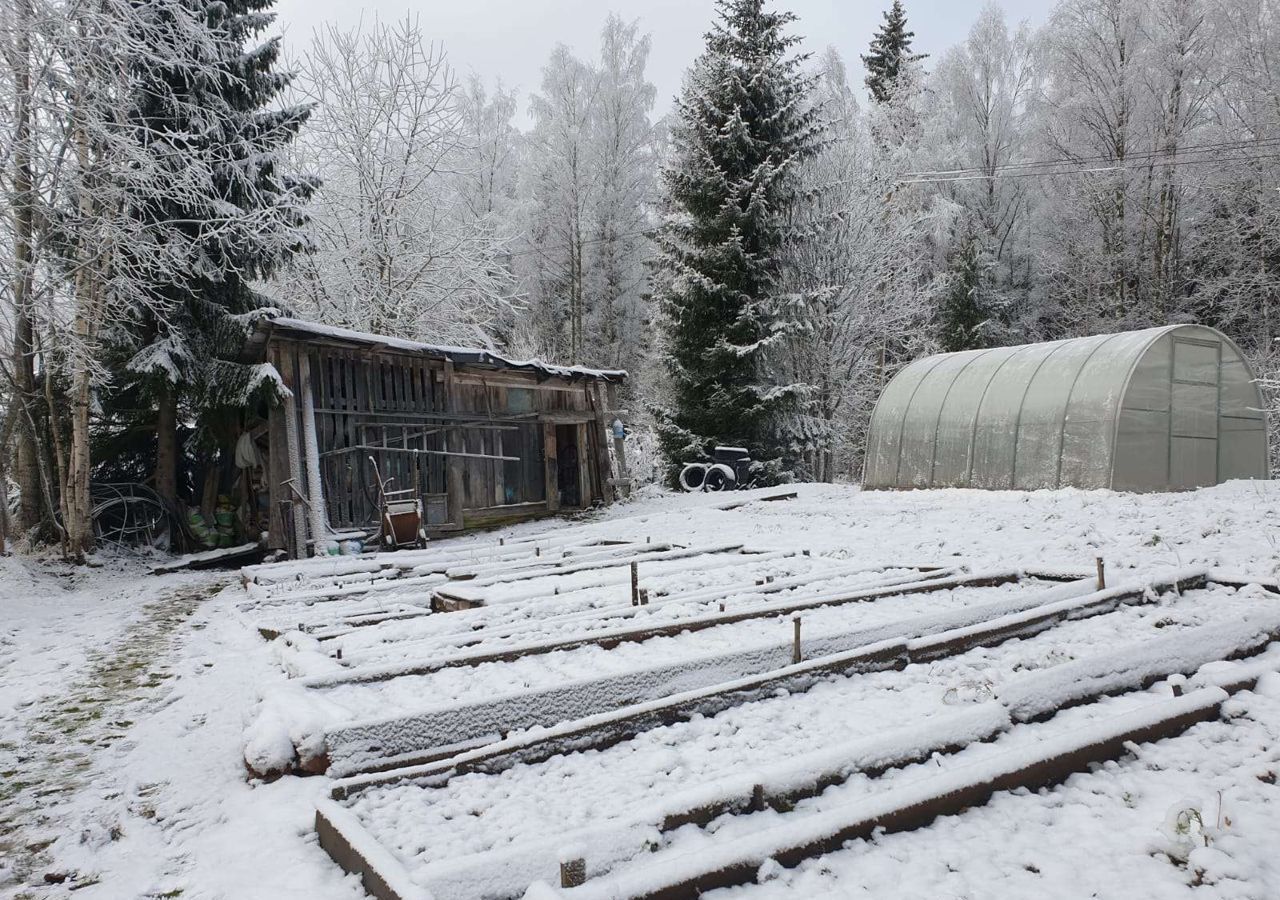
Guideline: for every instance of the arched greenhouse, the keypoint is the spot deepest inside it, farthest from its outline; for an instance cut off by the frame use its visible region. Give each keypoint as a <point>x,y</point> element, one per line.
<point>1162,409</point>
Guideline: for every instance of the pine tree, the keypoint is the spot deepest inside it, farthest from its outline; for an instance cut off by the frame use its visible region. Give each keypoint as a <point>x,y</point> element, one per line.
<point>183,351</point>
<point>890,49</point>
<point>741,125</point>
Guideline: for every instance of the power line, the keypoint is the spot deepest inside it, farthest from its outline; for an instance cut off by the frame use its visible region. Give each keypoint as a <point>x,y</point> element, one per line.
<point>1225,152</point>
<point>1096,170</point>
<point>1243,144</point>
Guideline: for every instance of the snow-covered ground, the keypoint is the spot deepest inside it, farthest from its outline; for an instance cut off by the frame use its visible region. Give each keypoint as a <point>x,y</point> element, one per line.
<point>124,698</point>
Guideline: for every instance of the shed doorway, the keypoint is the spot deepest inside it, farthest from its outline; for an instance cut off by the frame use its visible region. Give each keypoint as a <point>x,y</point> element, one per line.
<point>568,466</point>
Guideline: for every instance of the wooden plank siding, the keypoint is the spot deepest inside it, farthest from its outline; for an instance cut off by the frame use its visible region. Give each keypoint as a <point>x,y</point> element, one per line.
<point>404,409</point>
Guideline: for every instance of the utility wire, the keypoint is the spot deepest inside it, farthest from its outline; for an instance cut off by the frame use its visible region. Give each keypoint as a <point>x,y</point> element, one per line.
<point>1245,144</point>
<point>1067,169</point>
<point>1225,152</point>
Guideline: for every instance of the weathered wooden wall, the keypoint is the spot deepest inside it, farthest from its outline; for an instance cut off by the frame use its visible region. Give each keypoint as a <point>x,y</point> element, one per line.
<point>372,403</point>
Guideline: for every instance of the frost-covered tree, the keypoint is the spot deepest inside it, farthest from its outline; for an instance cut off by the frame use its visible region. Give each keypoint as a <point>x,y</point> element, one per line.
<point>560,182</point>
<point>890,53</point>
<point>99,261</point>
<point>851,284</point>
<point>1127,89</point>
<point>26,57</point>
<point>1234,245</point>
<point>984,88</point>
<point>487,184</point>
<point>398,250</point>
<point>589,174</point>
<point>741,126</point>
<point>226,108</point>
<point>488,180</point>
<point>623,149</point>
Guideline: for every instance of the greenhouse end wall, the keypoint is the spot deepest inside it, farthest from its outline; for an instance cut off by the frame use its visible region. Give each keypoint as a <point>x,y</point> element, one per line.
<point>1160,409</point>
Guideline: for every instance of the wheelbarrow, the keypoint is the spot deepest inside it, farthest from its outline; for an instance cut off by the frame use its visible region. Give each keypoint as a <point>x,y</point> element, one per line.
<point>401,520</point>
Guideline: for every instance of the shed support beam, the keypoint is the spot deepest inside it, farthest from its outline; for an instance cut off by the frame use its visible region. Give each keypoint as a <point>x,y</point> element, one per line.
<point>293,487</point>
<point>454,442</point>
<point>549,456</point>
<point>315,492</point>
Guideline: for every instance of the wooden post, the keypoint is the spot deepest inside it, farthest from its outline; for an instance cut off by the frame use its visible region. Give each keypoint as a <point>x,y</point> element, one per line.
<point>297,516</point>
<point>795,647</point>
<point>549,452</point>
<point>454,442</point>
<point>604,467</point>
<point>635,584</point>
<point>315,492</point>
<point>1102,574</point>
<point>573,872</point>
<point>278,534</point>
<point>584,466</point>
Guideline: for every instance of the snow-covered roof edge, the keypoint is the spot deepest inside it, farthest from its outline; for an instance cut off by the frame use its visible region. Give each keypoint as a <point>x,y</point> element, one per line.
<point>474,355</point>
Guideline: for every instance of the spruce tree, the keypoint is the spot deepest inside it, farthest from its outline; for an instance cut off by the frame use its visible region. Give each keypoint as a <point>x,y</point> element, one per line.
<point>961,316</point>
<point>973,313</point>
<point>183,352</point>
<point>890,50</point>
<point>741,124</point>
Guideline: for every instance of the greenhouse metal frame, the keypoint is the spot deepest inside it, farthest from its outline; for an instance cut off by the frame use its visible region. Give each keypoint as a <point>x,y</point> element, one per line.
<point>1170,408</point>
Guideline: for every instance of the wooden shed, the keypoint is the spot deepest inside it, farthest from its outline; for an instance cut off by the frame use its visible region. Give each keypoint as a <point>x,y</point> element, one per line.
<point>481,439</point>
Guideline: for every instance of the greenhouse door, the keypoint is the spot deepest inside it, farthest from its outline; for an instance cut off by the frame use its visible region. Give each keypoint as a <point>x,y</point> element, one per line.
<point>1193,419</point>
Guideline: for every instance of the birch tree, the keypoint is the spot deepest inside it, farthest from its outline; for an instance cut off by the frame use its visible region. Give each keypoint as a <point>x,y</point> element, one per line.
<point>589,176</point>
<point>624,164</point>
<point>396,250</point>
<point>985,86</point>
<point>20,27</point>
<point>96,265</point>
<point>850,281</point>
<point>1235,246</point>
<point>560,183</point>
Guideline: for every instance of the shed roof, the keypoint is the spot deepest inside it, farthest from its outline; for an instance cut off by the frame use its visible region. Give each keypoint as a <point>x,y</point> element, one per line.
<point>300,329</point>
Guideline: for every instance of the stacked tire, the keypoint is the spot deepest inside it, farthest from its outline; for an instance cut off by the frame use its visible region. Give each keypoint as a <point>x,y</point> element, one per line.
<point>713,478</point>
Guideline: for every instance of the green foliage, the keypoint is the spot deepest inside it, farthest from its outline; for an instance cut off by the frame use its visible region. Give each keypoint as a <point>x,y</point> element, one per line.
<point>975,311</point>
<point>890,50</point>
<point>741,125</point>
<point>189,334</point>
<point>961,316</point>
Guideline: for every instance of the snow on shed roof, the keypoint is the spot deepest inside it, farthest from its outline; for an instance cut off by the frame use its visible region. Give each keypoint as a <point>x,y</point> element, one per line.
<point>300,328</point>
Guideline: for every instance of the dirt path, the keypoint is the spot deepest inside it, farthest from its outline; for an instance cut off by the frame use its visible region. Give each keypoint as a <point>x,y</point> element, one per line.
<point>52,746</point>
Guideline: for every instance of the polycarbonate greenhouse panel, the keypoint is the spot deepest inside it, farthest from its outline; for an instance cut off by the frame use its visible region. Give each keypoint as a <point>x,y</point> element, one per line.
<point>1159,409</point>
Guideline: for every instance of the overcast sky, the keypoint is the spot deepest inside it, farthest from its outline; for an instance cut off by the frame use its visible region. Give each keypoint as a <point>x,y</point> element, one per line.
<point>511,39</point>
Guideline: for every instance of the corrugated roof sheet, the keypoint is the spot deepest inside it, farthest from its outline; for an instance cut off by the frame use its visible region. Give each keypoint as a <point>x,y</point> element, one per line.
<point>301,328</point>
